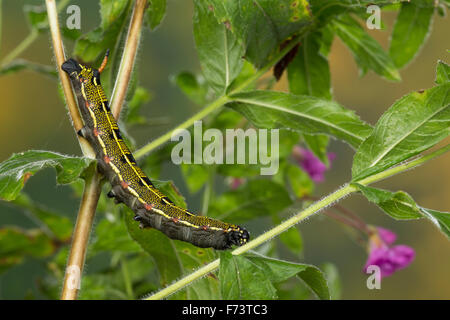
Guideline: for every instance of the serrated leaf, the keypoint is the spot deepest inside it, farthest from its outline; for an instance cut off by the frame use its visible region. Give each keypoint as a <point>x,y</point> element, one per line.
<point>155,13</point>
<point>400,206</point>
<point>279,270</point>
<point>15,171</point>
<point>413,124</point>
<point>309,73</point>
<point>240,279</point>
<point>311,115</point>
<point>219,52</point>
<point>367,52</point>
<point>251,276</point>
<point>411,29</point>
<point>256,198</point>
<point>262,26</point>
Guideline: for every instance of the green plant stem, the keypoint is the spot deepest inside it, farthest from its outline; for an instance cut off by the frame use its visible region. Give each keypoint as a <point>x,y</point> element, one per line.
<point>29,39</point>
<point>220,101</point>
<point>303,215</point>
<point>21,47</point>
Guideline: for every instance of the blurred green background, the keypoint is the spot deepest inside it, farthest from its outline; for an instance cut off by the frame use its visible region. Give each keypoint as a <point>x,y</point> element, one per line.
<point>33,116</point>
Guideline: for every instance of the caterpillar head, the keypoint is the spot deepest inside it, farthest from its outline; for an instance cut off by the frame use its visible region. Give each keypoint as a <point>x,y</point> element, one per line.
<point>238,236</point>
<point>82,73</point>
<point>72,67</point>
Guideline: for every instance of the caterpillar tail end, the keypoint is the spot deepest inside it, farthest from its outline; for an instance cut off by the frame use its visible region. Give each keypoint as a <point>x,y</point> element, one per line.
<point>239,236</point>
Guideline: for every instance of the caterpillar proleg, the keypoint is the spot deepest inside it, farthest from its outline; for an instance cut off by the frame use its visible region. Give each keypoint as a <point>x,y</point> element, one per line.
<point>130,185</point>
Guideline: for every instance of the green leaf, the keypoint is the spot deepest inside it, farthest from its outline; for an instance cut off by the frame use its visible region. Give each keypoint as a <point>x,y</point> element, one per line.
<point>240,279</point>
<point>140,97</point>
<point>400,206</point>
<point>16,244</point>
<point>37,17</point>
<point>440,219</point>
<point>15,171</point>
<point>195,176</point>
<point>292,238</point>
<point>309,73</point>
<point>91,47</point>
<point>413,124</point>
<point>251,276</point>
<point>219,51</point>
<point>155,13</point>
<point>111,235</point>
<point>318,145</point>
<point>59,226</point>
<point>192,86</point>
<point>21,64</point>
<point>442,73</point>
<point>256,198</point>
<point>299,181</point>
<point>411,29</point>
<point>262,26</point>
<point>110,11</point>
<point>174,259</point>
<point>333,279</point>
<point>311,115</point>
<point>171,191</point>
<point>367,52</point>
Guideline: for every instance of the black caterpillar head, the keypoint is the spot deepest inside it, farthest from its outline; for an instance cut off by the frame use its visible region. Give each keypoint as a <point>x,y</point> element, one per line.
<point>71,66</point>
<point>238,236</point>
<point>80,72</point>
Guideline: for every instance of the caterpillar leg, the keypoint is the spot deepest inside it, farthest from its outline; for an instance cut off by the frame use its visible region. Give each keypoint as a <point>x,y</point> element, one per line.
<point>82,132</point>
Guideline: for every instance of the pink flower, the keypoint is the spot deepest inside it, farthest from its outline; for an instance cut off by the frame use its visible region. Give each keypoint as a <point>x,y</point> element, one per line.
<point>310,163</point>
<point>388,258</point>
<point>236,183</point>
<point>387,235</point>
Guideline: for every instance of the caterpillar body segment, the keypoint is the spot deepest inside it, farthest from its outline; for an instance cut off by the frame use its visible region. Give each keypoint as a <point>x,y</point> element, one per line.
<point>130,185</point>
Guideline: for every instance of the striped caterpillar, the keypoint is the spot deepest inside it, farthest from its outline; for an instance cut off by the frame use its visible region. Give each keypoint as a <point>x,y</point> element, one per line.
<point>130,185</point>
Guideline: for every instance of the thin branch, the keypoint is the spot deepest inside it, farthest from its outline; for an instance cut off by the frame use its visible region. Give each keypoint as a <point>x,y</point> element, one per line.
<point>301,216</point>
<point>92,188</point>
<point>81,233</point>
<point>29,39</point>
<point>128,58</point>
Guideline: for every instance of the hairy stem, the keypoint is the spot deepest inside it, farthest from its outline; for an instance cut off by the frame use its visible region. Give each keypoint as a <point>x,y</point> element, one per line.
<point>220,101</point>
<point>128,58</point>
<point>301,216</point>
<point>92,189</point>
<point>81,233</point>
